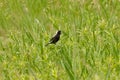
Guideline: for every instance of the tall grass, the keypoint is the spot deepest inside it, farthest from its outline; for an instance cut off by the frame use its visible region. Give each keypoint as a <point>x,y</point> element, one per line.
<point>88,48</point>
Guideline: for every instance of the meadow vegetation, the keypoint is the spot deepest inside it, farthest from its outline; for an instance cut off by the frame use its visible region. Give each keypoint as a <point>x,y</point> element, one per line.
<point>89,48</point>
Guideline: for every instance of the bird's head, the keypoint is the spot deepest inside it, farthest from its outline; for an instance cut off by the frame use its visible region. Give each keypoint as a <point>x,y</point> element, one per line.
<point>58,32</point>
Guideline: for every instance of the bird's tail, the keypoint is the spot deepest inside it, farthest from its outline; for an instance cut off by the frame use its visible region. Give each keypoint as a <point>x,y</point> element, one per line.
<point>47,44</point>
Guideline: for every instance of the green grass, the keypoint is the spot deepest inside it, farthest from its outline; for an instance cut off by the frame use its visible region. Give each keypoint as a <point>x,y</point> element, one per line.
<point>89,48</point>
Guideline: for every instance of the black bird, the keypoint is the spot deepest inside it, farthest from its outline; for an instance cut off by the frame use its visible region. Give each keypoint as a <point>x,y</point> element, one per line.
<point>55,38</point>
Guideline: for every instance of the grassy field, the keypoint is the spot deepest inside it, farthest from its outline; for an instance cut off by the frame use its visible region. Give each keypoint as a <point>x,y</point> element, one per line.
<point>89,48</point>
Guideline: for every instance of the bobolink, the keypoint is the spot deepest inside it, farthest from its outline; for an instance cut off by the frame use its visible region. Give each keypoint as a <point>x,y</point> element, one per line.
<point>55,38</point>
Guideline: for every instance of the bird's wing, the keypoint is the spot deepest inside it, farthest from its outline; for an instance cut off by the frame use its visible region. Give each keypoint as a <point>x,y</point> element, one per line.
<point>52,39</point>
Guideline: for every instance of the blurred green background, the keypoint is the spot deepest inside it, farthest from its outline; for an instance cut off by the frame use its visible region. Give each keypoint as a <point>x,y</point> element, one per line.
<point>89,48</point>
